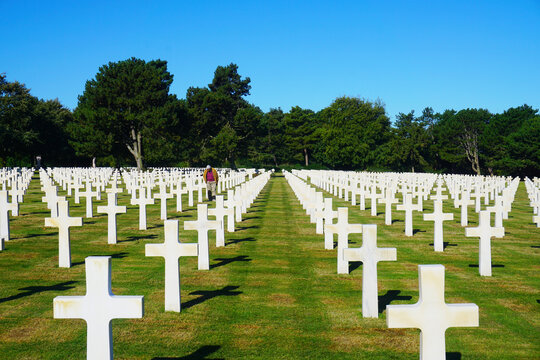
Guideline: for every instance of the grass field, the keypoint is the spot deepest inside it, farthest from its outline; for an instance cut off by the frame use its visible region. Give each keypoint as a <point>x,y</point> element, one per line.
<point>272,292</point>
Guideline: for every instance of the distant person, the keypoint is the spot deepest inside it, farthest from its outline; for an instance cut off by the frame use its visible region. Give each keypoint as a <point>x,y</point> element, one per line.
<point>210,176</point>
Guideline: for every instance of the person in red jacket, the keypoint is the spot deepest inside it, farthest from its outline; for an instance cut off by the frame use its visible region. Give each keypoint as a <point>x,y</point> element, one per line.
<point>210,176</point>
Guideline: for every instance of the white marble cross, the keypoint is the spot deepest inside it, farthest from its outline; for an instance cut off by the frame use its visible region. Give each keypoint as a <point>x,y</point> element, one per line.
<point>388,200</point>
<point>63,222</point>
<point>5,208</point>
<point>438,216</point>
<point>369,254</point>
<point>485,232</point>
<point>464,202</point>
<point>408,207</point>
<point>342,228</point>
<point>98,307</point>
<point>202,225</point>
<point>88,194</point>
<point>52,198</point>
<point>498,209</point>
<point>163,195</point>
<point>178,191</point>
<point>142,201</point>
<point>111,210</point>
<point>219,212</point>
<point>229,203</point>
<point>328,216</point>
<point>431,314</point>
<point>374,196</point>
<point>171,250</point>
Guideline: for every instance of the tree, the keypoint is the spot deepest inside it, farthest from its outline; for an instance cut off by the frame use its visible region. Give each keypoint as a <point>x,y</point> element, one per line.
<point>411,141</point>
<point>353,133</point>
<point>126,107</point>
<point>30,127</point>
<point>219,110</point>
<point>496,141</point>
<point>273,124</point>
<point>16,117</point>
<point>460,134</point>
<point>300,133</point>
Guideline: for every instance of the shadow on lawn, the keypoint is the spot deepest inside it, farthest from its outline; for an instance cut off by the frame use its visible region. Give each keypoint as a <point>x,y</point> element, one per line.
<point>119,255</point>
<point>390,296</point>
<point>236,241</point>
<point>445,244</point>
<point>139,237</point>
<point>31,290</point>
<point>225,261</point>
<point>199,354</point>
<point>210,294</point>
<point>492,265</point>
<point>240,228</point>
<point>453,356</point>
<point>353,265</point>
<point>29,236</point>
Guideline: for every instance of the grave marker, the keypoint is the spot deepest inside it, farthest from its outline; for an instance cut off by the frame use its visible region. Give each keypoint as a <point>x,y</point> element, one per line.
<point>342,228</point>
<point>98,307</point>
<point>438,217</point>
<point>63,222</point>
<point>111,210</point>
<point>485,232</point>
<point>431,314</point>
<point>202,225</point>
<point>171,250</point>
<point>369,254</point>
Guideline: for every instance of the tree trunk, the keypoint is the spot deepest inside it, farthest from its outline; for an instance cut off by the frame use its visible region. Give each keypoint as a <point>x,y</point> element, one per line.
<point>469,142</point>
<point>306,157</point>
<point>136,148</point>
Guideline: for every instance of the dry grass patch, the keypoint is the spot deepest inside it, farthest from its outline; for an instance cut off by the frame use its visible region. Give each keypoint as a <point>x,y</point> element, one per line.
<point>281,300</point>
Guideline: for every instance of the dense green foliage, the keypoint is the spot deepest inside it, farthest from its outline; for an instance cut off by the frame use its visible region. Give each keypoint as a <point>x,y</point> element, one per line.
<point>31,127</point>
<point>126,109</point>
<point>126,116</point>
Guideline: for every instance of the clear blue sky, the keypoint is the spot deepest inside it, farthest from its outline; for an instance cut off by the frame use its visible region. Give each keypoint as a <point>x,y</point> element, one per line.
<point>409,54</point>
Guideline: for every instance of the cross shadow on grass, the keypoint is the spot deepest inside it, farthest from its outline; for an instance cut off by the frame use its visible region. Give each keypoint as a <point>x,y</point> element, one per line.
<point>353,265</point>
<point>445,244</point>
<point>240,228</point>
<point>390,296</point>
<point>492,265</point>
<point>210,294</point>
<point>119,255</point>
<point>199,354</point>
<point>417,231</point>
<point>29,236</point>
<point>535,246</point>
<point>138,237</point>
<point>453,356</point>
<point>236,241</point>
<point>225,261</point>
<point>31,290</point>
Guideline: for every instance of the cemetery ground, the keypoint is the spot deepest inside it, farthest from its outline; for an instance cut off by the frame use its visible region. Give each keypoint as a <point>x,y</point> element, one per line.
<point>273,291</point>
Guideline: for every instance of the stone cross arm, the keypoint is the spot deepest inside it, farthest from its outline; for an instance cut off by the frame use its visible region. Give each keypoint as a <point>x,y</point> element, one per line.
<point>81,307</point>
<point>197,225</point>
<point>438,217</point>
<point>359,254</point>
<point>162,249</point>
<point>60,222</point>
<point>418,316</point>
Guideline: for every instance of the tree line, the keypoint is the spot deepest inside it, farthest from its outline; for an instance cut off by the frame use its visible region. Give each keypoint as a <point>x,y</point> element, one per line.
<point>127,116</point>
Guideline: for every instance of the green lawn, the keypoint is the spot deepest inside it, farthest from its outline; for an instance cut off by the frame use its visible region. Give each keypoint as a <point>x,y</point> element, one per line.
<point>272,292</point>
